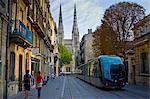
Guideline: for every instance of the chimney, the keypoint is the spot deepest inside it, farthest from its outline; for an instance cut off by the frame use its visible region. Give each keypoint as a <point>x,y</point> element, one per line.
<point>89,31</point>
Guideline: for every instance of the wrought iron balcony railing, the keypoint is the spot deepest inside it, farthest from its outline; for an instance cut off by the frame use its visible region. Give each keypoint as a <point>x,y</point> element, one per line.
<point>19,28</point>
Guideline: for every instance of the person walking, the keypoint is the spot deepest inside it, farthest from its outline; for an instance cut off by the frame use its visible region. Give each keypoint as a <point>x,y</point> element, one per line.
<point>39,84</point>
<point>27,84</point>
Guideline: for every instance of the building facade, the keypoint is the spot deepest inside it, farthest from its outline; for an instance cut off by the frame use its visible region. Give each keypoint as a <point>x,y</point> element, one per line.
<point>86,52</point>
<point>30,46</point>
<point>142,51</point>
<point>71,44</point>
<point>54,65</point>
<point>3,34</point>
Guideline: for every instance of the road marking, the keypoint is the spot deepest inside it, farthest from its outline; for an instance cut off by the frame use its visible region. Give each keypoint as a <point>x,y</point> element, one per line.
<point>63,88</point>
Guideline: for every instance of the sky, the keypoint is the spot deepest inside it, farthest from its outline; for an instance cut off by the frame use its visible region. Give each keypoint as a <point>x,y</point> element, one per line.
<point>89,13</point>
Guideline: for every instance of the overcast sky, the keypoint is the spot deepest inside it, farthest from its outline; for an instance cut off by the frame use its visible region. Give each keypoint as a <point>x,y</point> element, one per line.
<point>89,13</point>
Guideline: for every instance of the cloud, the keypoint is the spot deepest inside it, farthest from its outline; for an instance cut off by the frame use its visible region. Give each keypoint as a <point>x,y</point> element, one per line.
<point>89,13</point>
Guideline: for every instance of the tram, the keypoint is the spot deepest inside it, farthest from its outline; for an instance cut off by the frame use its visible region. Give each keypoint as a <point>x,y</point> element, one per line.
<point>107,71</point>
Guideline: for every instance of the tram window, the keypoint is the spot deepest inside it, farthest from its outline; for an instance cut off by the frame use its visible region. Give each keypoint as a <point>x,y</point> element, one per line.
<point>96,70</point>
<point>100,70</point>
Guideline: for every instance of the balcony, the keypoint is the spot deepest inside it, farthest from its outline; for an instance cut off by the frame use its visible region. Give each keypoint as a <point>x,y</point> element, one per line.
<point>38,23</point>
<point>27,2</point>
<point>47,41</point>
<point>30,15</point>
<point>20,34</point>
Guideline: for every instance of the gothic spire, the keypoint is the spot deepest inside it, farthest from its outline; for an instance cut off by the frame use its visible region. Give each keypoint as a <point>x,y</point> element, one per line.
<point>60,28</point>
<point>75,25</point>
<point>75,33</point>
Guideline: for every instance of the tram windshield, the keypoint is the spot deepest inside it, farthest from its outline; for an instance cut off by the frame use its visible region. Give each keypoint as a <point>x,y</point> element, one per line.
<point>117,71</point>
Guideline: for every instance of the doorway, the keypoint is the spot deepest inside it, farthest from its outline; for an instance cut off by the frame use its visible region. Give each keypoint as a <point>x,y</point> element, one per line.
<point>20,72</point>
<point>133,68</point>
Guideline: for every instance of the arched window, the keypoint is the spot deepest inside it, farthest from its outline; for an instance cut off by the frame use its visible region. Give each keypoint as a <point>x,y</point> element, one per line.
<point>12,66</point>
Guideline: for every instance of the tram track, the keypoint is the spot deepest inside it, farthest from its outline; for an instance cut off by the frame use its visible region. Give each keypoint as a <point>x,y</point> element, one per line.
<point>121,94</point>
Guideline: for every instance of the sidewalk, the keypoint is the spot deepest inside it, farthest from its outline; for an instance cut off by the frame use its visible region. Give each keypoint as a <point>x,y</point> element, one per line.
<point>20,95</point>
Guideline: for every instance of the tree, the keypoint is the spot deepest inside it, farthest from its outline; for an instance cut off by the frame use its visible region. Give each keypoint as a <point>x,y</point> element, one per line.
<point>119,20</point>
<point>105,41</point>
<point>122,17</point>
<point>65,55</point>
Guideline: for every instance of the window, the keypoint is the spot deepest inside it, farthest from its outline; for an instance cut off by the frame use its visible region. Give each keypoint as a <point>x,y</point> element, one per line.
<point>67,69</point>
<point>36,42</point>
<point>2,3</point>
<point>96,69</point>
<point>12,66</point>
<point>21,15</point>
<point>27,62</point>
<point>144,62</point>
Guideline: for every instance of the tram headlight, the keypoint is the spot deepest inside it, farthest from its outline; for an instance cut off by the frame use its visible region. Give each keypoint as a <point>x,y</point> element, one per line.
<point>106,84</point>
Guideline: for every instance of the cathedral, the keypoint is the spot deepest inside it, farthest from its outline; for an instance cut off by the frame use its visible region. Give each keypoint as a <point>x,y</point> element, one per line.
<point>71,44</point>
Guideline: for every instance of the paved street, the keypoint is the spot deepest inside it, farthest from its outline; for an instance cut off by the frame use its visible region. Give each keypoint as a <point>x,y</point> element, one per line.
<point>69,87</point>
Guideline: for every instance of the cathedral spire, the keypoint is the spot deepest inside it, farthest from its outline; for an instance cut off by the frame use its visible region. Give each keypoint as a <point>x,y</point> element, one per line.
<point>75,33</point>
<point>60,28</point>
<point>75,25</point>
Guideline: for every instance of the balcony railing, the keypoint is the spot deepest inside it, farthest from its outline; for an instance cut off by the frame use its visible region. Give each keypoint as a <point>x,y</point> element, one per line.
<point>19,28</point>
<point>30,14</point>
<point>38,23</point>
<point>40,19</point>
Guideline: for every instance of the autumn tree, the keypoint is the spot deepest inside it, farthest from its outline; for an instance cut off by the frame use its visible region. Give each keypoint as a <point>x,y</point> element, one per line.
<point>119,19</point>
<point>65,55</point>
<point>105,41</point>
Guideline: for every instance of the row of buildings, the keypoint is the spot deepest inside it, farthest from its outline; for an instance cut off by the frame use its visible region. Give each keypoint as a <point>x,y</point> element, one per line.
<point>137,55</point>
<point>28,41</point>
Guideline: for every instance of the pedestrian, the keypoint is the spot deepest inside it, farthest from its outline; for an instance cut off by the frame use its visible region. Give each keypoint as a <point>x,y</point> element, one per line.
<point>53,76</point>
<point>39,84</point>
<point>27,84</point>
<point>45,80</point>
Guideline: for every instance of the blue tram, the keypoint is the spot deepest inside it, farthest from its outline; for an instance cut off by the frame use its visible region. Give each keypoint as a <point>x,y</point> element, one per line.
<point>107,71</point>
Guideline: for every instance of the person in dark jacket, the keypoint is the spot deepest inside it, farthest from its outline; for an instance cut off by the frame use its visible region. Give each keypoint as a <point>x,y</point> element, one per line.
<point>27,83</point>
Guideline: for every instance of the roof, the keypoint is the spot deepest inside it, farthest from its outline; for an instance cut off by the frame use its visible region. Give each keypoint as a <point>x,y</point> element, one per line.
<point>68,41</point>
<point>142,21</point>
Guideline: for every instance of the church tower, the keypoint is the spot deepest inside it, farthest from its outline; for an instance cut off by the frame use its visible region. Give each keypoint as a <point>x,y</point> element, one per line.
<point>75,34</point>
<point>60,28</point>
<point>75,40</point>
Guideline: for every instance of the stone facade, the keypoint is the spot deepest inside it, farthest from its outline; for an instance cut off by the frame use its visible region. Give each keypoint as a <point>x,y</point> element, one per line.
<point>86,50</point>
<point>3,33</point>
<point>30,30</point>
<point>32,41</point>
<point>131,66</point>
<point>68,44</point>
<point>142,51</point>
<point>89,54</point>
<point>55,53</point>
